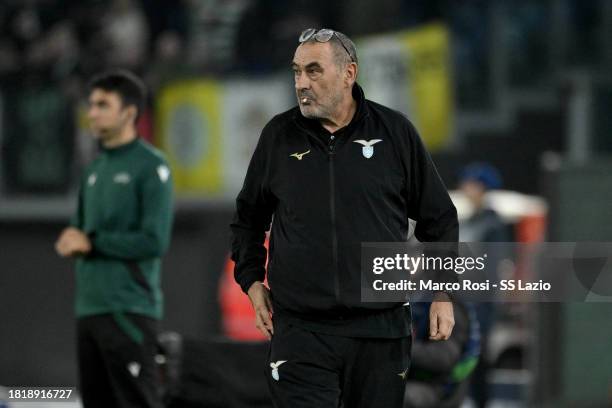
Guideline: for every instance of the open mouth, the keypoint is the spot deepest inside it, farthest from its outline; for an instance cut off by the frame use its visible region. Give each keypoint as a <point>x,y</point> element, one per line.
<point>304,100</point>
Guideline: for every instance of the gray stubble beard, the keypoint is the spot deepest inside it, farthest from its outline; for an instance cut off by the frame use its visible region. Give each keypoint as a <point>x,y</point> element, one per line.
<point>323,113</point>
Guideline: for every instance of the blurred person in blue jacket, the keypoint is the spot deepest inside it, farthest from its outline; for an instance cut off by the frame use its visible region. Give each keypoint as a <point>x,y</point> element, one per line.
<point>439,373</point>
<point>484,225</point>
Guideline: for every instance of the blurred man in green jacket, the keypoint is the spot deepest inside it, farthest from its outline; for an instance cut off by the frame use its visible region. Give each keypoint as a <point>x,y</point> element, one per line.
<point>119,233</point>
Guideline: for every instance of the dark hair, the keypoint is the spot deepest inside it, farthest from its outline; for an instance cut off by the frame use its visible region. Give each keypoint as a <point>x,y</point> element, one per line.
<point>130,88</point>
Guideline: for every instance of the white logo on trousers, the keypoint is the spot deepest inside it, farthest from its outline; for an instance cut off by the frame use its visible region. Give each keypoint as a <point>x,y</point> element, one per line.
<point>275,369</point>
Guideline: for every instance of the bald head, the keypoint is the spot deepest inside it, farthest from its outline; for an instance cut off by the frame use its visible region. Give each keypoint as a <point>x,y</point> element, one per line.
<point>343,49</point>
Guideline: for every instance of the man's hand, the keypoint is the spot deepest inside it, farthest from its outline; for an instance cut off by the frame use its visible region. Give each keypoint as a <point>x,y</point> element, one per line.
<point>259,295</point>
<point>72,242</point>
<point>441,317</point>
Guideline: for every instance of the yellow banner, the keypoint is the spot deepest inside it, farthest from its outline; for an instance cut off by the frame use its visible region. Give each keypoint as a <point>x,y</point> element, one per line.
<point>429,82</point>
<point>188,129</point>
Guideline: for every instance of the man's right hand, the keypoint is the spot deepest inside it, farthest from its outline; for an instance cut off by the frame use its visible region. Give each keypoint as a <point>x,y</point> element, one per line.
<point>72,242</point>
<point>259,295</point>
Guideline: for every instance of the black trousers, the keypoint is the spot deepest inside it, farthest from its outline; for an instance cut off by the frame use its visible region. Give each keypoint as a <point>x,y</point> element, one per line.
<point>116,355</point>
<point>307,369</point>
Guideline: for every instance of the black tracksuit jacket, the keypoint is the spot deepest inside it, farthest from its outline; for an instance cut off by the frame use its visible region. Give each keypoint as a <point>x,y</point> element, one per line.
<point>324,202</point>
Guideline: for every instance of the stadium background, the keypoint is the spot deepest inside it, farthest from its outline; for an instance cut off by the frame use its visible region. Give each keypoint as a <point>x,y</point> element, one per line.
<point>524,85</point>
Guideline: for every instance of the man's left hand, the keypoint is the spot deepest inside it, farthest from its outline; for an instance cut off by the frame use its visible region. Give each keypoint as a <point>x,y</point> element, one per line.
<point>72,242</point>
<point>441,317</point>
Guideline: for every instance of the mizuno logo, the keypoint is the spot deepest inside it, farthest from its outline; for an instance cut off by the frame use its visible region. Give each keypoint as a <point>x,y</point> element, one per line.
<point>403,374</point>
<point>299,156</point>
<point>274,367</point>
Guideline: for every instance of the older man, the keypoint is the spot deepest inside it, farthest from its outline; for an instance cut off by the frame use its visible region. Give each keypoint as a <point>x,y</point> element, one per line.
<point>333,172</point>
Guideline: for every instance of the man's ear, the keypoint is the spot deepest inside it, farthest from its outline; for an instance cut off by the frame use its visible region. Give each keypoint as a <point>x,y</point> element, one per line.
<point>350,74</point>
<point>131,112</point>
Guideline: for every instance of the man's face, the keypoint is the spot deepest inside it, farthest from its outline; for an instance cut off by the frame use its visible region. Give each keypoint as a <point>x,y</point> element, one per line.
<point>106,113</point>
<point>319,82</point>
<point>474,191</point>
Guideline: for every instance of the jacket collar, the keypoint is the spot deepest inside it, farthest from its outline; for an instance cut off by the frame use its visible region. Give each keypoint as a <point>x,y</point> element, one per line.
<point>121,148</point>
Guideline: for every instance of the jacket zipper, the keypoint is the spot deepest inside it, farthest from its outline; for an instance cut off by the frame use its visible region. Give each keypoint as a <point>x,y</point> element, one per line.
<point>332,205</point>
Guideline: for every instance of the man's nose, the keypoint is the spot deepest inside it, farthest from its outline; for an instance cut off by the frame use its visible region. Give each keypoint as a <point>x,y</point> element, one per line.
<point>301,82</point>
